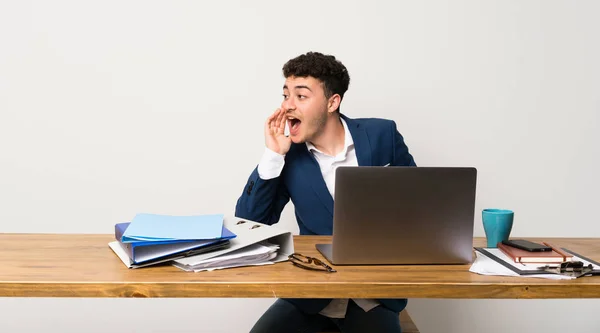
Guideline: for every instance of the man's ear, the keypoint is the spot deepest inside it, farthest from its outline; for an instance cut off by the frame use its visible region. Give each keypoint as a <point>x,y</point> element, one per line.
<point>334,103</point>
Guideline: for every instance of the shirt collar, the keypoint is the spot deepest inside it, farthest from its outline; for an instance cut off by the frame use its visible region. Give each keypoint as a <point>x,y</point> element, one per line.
<point>348,142</point>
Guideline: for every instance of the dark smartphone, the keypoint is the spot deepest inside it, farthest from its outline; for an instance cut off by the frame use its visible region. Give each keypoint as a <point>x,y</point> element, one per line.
<point>527,245</point>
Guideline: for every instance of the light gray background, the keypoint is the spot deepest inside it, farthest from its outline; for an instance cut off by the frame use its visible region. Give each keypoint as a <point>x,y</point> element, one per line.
<point>111,108</point>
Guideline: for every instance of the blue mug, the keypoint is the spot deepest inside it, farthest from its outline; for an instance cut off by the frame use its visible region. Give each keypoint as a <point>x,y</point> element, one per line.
<point>497,224</point>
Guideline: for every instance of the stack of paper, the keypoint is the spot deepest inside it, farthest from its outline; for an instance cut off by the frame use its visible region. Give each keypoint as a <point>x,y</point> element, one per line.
<point>256,254</point>
<point>255,244</point>
<point>151,239</point>
<point>487,266</point>
<point>492,261</point>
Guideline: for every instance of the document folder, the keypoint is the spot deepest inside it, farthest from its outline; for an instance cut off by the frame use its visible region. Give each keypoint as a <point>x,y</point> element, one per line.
<point>248,233</point>
<point>144,253</point>
<point>118,249</point>
<point>155,227</point>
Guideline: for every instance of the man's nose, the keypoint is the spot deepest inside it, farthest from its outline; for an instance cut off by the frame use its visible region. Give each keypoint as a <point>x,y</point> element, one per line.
<point>288,105</point>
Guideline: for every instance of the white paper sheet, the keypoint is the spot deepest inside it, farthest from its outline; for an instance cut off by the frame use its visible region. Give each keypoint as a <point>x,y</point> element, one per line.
<point>487,266</point>
<point>256,254</point>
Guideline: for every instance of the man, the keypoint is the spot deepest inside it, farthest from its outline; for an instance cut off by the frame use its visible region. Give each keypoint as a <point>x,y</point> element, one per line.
<point>301,167</point>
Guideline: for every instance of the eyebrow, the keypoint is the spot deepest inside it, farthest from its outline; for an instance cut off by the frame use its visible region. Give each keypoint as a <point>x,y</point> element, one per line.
<point>298,87</point>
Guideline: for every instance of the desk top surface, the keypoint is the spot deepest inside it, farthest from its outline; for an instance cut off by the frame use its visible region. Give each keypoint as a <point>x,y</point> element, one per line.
<point>69,265</point>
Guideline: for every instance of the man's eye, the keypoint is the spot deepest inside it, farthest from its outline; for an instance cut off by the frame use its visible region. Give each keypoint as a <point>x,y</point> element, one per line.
<point>285,96</point>
<point>301,96</point>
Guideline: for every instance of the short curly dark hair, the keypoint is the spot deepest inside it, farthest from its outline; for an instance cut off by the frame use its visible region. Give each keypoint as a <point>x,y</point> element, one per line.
<point>325,68</point>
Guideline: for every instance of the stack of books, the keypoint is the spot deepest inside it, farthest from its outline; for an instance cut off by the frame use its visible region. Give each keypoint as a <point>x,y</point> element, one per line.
<point>554,256</point>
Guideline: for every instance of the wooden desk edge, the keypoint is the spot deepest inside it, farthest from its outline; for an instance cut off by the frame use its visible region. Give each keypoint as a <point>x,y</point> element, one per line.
<point>58,285</point>
<point>283,290</point>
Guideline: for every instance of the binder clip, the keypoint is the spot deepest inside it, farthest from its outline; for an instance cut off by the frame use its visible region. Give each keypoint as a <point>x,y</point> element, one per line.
<point>571,268</point>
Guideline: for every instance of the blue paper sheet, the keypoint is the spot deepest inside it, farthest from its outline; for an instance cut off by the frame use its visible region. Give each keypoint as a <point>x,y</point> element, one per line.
<point>154,227</point>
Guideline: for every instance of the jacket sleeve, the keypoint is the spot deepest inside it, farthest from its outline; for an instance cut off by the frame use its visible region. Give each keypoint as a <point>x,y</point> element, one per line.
<point>262,200</point>
<point>402,156</point>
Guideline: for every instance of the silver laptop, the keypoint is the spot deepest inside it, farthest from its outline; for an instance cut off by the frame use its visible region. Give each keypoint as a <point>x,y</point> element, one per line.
<point>402,215</point>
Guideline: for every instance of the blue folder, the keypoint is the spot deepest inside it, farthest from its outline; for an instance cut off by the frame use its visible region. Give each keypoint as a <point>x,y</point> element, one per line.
<point>145,252</point>
<point>156,227</point>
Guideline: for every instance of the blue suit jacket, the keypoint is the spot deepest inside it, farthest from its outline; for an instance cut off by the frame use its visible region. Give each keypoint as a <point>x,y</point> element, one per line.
<point>377,142</point>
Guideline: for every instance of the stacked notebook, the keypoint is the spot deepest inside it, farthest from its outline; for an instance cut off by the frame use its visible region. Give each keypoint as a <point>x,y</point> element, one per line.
<point>557,255</point>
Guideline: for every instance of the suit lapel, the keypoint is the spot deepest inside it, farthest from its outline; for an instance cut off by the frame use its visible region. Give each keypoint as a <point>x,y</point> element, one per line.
<point>362,147</point>
<point>315,177</point>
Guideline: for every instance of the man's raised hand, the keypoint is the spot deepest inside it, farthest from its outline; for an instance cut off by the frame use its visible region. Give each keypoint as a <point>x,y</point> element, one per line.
<point>275,138</point>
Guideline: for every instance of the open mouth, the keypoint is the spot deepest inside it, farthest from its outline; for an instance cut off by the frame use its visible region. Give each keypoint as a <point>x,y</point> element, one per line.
<point>294,124</point>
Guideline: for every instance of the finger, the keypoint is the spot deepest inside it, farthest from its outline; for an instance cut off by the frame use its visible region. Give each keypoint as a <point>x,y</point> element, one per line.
<point>282,122</point>
<point>279,122</point>
<point>275,123</point>
<point>272,117</point>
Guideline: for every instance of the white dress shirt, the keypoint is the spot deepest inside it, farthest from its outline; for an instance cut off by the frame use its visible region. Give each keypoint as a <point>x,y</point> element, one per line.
<point>271,165</point>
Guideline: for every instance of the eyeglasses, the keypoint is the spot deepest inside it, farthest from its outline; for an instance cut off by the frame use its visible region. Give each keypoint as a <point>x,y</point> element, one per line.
<point>311,263</point>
